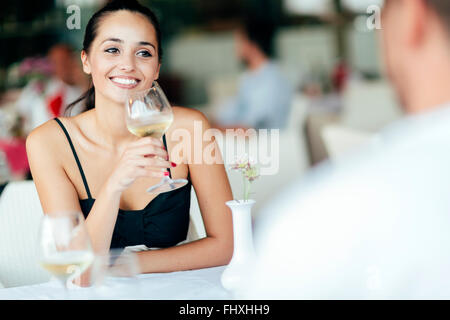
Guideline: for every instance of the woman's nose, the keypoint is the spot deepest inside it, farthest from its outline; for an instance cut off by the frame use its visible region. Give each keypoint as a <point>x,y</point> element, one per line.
<point>127,63</point>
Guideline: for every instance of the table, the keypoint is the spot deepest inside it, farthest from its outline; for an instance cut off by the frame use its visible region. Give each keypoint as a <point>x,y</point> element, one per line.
<point>202,284</point>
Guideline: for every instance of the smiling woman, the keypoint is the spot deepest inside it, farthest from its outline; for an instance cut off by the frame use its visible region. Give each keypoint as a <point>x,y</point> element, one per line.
<point>147,45</point>
<point>92,163</point>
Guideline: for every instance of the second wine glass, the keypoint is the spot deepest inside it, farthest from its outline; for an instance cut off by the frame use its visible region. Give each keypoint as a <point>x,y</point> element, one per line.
<point>149,113</point>
<point>65,247</point>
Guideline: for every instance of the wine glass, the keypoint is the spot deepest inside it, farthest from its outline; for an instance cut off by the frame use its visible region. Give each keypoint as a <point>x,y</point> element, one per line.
<point>148,113</point>
<point>115,274</point>
<point>64,246</point>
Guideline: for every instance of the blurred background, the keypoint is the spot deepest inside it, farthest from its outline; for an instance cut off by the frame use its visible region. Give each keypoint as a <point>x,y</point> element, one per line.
<point>324,49</point>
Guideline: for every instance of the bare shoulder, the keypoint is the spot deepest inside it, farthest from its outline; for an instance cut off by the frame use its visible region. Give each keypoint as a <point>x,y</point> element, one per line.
<point>186,118</point>
<point>45,138</point>
<point>50,137</point>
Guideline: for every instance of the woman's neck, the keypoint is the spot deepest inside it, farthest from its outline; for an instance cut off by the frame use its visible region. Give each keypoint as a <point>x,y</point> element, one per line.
<point>109,117</point>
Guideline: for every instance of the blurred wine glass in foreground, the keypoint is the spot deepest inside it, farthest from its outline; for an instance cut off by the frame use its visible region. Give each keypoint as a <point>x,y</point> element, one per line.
<point>115,273</point>
<point>64,246</point>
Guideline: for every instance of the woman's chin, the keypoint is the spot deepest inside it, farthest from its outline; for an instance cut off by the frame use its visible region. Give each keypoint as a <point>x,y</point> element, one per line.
<point>120,94</point>
<point>115,97</point>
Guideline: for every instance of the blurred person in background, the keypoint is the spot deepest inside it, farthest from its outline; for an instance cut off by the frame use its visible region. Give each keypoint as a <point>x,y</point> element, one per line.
<point>40,103</point>
<point>377,225</point>
<point>264,96</point>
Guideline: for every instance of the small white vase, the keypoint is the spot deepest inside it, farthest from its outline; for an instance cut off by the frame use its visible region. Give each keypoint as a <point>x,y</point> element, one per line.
<point>233,278</point>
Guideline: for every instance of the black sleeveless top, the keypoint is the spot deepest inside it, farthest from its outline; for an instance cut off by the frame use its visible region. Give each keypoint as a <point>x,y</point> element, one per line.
<point>163,223</point>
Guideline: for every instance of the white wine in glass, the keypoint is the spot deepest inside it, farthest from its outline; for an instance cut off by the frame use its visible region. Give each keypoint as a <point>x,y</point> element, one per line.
<point>67,264</point>
<point>65,247</point>
<point>149,113</point>
<point>154,127</point>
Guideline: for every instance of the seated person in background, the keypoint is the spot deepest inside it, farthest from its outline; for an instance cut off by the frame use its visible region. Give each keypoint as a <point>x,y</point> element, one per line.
<point>37,104</point>
<point>265,96</point>
<point>91,163</point>
<point>376,226</point>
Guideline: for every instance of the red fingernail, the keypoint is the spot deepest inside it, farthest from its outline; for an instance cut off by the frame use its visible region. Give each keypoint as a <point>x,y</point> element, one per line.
<point>173,164</point>
<point>166,173</point>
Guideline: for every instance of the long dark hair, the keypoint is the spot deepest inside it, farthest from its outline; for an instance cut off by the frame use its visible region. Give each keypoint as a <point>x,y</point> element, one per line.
<point>91,33</point>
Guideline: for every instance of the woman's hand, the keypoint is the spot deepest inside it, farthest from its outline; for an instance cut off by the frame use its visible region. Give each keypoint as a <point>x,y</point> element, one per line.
<point>141,158</point>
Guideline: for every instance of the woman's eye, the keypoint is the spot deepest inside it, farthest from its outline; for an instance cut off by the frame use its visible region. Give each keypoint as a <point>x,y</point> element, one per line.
<point>144,53</point>
<point>112,50</point>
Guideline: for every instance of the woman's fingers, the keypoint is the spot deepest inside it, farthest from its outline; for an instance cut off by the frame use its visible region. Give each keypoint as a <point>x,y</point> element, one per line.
<point>151,162</point>
<point>147,172</point>
<point>148,140</point>
<point>148,149</point>
<point>145,157</point>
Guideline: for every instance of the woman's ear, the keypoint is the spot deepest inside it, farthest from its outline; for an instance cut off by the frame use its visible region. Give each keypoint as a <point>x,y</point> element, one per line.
<point>157,72</point>
<point>85,62</point>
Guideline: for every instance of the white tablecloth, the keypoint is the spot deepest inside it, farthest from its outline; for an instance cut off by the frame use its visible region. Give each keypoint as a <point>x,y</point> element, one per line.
<point>202,284</point>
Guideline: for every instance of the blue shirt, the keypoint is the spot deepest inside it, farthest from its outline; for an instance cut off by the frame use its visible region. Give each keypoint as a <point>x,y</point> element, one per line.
<point>263,101</point>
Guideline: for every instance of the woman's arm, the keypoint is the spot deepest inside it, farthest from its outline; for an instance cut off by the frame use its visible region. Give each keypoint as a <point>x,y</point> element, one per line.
<point>211,185</point>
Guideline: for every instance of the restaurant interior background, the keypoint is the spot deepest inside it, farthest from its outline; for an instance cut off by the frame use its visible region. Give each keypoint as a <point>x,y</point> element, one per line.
<point>324,48</point>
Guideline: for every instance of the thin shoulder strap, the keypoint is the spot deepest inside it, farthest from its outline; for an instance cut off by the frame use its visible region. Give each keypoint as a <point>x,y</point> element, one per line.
<point>76,158</point>
<point>165,146</point>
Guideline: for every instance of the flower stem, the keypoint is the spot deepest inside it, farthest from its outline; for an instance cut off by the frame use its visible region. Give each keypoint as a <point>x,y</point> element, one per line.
<point>246,188</point>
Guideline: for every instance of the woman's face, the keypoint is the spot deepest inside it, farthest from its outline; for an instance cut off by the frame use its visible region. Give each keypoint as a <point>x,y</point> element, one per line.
<point>123,57</point>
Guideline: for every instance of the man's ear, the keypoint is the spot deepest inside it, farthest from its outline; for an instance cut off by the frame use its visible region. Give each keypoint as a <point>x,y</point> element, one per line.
<point>416,13</point>
<point>85,62</point>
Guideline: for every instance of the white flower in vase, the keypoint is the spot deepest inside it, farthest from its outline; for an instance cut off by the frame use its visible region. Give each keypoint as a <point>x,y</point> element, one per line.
<point>236,273</point>
<point>250,172</point>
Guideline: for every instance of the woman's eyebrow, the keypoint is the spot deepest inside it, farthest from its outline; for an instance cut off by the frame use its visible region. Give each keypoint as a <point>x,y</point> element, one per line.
<point>113,39</point>
<point>141,43</point>
<point>145,43</point>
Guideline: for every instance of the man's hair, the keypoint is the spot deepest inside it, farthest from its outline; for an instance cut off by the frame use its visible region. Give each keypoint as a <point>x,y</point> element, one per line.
<point>260,32</point>
<point>442,8</point>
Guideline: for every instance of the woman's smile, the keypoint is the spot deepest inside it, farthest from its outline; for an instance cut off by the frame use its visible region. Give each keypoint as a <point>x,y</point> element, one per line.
<point>125,82</point>
<point>123,56</point>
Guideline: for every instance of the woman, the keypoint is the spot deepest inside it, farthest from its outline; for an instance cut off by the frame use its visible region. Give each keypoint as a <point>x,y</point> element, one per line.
<point>91,163</point>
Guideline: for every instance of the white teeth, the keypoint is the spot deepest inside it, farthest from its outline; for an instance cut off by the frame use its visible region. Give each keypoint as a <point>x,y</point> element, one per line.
<point>124,81</point>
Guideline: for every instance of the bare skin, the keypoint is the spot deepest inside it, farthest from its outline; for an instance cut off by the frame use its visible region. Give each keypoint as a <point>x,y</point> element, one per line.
<point>416,50</point>
<point>118,165</point>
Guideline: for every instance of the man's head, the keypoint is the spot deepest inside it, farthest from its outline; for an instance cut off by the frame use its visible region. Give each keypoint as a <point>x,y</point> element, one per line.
<point>62,60</point>
<point>416,43</point>
<point>254,38</point>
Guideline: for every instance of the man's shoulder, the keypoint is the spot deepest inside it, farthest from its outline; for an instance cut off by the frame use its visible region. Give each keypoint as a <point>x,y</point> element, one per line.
<point>386,205</point>
<point>415,130</point>
<point>398,163</point>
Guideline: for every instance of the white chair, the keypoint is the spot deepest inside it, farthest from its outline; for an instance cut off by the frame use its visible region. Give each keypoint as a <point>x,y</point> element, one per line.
<point>5,171</point>
<point>340,140</point>
<point>20,214</point>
